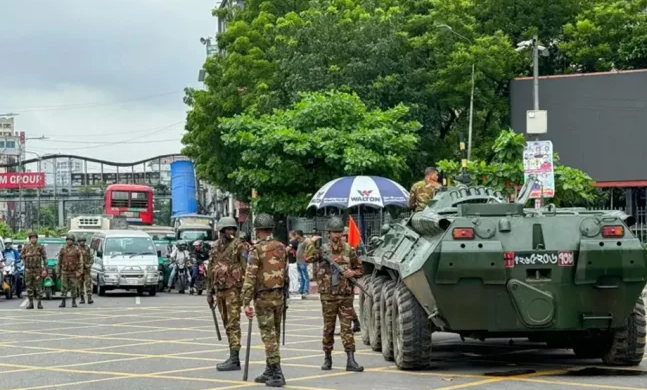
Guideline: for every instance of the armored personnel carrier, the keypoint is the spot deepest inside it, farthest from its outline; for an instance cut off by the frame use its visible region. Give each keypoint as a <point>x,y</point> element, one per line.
<point>474,264</point>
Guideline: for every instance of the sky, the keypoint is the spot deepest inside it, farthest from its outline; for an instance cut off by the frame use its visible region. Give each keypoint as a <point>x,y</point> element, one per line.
<point>101,78</point>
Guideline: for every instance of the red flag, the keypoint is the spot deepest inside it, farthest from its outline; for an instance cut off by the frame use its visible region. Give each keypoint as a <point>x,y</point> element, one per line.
<point>354,236</point>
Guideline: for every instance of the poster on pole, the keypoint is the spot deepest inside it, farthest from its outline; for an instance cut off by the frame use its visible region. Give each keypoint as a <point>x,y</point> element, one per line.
<point>538,160</point>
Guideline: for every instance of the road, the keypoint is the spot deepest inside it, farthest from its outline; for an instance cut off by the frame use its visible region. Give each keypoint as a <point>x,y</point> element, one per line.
<point>167,342</point>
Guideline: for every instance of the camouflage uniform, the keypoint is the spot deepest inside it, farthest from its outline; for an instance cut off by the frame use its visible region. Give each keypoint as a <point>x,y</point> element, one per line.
<point>87,276</point>
<point>70,268</point>
<point>225,276</point>
<point>266,282</point>
<point>336,292</point>
<point>421,193</point>
<point>35,259</point>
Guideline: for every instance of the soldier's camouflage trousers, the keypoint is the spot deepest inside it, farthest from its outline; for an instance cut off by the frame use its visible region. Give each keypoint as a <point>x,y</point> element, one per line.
<point>33,283</point>
<point>331,308</point>
<point>85,284</point>
<point>269,316</point>
<point>69,282</point>
<point>229,305</point>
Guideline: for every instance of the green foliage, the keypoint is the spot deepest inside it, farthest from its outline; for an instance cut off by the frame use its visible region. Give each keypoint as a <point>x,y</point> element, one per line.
<point>505,172</point>
<point>289,154</point>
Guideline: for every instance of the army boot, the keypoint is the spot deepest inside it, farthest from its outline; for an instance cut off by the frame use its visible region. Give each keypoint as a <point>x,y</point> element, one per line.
<point>31,304</point>
<point>265,375</point>
<point>62,302</point>
<point>277,379</point>
<point>74,302</point>
<point>82,300</point>
<point>231,364</point>
<point>327,364</point>
<point>90,301</point>
<point>351,364</point>
<point>40,306</point>
<point>356,327</point>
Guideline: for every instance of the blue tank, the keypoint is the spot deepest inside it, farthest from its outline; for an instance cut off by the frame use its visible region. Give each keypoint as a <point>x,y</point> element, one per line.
<point>183,188</point>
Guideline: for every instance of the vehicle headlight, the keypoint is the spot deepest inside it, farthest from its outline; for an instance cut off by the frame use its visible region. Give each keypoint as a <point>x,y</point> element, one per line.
<point>110,269</point>
<point>151,268</point>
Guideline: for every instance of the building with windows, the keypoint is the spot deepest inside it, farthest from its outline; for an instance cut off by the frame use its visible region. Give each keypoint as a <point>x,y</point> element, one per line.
<point>58,172</point>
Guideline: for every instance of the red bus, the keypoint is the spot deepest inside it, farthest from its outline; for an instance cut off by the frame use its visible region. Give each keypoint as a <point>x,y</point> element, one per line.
<point>135,202</point>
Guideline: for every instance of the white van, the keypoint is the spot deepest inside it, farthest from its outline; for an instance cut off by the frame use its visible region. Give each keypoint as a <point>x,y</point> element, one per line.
<point>124,260</point>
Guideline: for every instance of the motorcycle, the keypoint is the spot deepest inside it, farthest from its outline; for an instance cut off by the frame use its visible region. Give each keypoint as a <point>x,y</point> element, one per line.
<point>14,274</point>
<point>181,274</point>
<point>50,285</point>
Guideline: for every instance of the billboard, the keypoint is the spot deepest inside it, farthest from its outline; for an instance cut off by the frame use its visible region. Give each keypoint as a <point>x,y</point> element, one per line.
<point>22,180</point>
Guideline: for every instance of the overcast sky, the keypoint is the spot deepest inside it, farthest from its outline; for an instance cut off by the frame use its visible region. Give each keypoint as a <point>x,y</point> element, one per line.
<point>87,71</point>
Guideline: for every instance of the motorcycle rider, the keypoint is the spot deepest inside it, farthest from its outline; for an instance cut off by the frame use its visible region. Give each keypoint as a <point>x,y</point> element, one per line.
<point>35,268</point>
<point>201,255</point>
<point>11,254</point>
<point>180,252</point>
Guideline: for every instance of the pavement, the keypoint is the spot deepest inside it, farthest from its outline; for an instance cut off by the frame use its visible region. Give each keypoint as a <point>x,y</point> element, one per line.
<point>168,342</point>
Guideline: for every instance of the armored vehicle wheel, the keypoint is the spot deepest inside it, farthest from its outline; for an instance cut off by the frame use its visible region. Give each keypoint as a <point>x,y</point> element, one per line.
<point>627,346</point>
<point>386,320</point>
<point>365,307</point>
<point>411,331</point>
<point>375,328</point>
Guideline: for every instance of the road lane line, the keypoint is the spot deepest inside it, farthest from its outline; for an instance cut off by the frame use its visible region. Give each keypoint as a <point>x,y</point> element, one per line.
<point>24,303</point>
<point>138,301</point>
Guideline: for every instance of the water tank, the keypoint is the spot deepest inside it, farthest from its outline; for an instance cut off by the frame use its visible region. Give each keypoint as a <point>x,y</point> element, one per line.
<point>183,189</point>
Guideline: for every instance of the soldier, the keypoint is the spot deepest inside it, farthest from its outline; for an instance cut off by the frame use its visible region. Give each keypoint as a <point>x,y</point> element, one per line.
<point>70,268</point>
<point>86,278</point>
<point>423,191</point>
<point>35,259</point>
<point>336,292</point>
<point>266,280</point>
<point>225,276</point>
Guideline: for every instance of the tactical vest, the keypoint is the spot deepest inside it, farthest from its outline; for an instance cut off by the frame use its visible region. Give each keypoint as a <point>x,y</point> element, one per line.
<point>33,257</point>
<point>70,262</point>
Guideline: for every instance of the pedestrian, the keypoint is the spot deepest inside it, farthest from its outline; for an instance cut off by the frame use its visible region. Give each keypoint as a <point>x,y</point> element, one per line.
<point>85,284</point>
<point>35,258</point>
<point>225,276</point>
<point>335,291</point>
<point>424,191</point>
<point>70,268</point>
<point>356,325</point>
<point>265,282</point>
<point>304,278</point>
<point>293,245</point>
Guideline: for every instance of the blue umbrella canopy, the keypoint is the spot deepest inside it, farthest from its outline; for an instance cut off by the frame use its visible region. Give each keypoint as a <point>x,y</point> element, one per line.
<point>349,191</point>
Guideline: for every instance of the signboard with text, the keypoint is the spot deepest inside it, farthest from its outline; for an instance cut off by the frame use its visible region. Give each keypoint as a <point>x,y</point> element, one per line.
<point>22,180</point>
<point>538,160</point>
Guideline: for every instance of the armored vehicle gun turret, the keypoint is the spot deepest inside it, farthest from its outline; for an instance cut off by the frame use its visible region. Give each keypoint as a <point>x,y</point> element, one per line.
<point>474,264</point>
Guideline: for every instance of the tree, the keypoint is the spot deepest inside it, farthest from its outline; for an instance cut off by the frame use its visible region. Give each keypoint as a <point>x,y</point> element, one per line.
<point>289,154</point>
<point>504,172</point>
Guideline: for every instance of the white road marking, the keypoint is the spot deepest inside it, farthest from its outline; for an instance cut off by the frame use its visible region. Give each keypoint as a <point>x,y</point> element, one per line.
<point>25,302</point>
<point>138,301</point>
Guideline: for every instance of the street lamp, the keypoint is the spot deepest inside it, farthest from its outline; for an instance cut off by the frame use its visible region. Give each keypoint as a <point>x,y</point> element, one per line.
<point>536,49</point>
<point>469,131</point>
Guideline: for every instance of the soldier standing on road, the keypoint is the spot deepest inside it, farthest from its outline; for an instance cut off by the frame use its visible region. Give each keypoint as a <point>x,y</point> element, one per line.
<point>35,259</point>
<point>336,292</point>
<point>225,276</point>
<point>70,268</point>
<point>86,278</point>
<point>423,191</point>
<point>266,281</point>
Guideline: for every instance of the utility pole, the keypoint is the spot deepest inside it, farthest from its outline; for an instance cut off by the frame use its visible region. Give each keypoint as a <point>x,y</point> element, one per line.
<point>535,74</point>
<point>20,170</point>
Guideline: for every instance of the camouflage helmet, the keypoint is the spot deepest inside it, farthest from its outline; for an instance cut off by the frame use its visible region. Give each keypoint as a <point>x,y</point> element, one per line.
<point>226,222</point>
<point>70,236</point>
<point>263,221</point>
<point>335,224</point>
<point>32,234</point>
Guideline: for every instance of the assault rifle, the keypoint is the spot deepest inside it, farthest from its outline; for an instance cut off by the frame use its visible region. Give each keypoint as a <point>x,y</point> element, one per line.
<point>336,268</point>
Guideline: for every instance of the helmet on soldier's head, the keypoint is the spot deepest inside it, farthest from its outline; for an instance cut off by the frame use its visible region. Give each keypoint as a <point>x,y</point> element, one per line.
<point>8,241</point>
<point>263,221</point>
<point>69,237</point>
<point>32,234</point>
<point>335,224</point>
<point>226,222</point>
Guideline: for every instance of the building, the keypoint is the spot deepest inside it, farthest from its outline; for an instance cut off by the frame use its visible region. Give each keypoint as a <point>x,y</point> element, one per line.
<point>58,172</point>
<point>597,124</point>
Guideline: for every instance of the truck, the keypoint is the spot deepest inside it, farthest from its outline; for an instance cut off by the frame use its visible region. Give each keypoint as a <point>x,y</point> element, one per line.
<point>87,225</point>
<point>474,264</point>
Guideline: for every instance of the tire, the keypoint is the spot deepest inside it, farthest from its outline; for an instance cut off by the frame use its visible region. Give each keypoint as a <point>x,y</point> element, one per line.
<point>140,291</point>
<point>411,331</point>
<point>386,320</point>
<point>101,290</point>
<point>9,292</point>
<point>627,346</point>
<point>153,291</point>
<point>48,293</point>
<point>199,292</point>
<point>377,290</point>
<point>365,308</point>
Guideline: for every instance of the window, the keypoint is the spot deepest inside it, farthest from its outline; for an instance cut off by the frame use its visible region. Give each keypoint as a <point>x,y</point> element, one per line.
<point>52,250</point>
<point>11,144</point>
<point>119,199</point>
<point>139,200</point>
<point>192,235</point>
<point>2,144</point>
<point>130,246</point>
